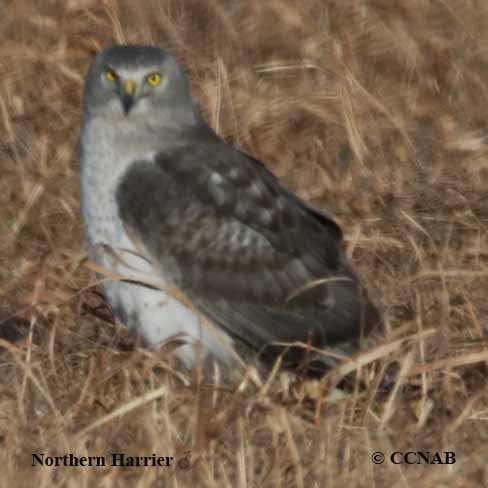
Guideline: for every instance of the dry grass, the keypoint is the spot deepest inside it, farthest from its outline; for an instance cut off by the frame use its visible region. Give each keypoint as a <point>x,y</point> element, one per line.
<point>374,110</point>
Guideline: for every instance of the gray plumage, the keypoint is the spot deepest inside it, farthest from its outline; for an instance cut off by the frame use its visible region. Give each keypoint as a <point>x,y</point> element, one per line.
<point>255,260</point>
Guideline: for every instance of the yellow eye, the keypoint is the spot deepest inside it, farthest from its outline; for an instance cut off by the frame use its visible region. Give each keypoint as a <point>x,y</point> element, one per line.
<point>154,79</point>
<point>110,75</point>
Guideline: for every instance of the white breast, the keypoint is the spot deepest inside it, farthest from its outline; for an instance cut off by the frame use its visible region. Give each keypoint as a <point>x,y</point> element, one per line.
<point>108,149</point>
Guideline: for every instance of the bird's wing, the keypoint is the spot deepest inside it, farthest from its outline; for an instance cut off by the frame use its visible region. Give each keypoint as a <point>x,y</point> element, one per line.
<point>253,257</point>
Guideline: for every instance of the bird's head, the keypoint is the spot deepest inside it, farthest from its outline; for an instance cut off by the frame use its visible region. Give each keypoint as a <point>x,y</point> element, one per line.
<point>129,79</point>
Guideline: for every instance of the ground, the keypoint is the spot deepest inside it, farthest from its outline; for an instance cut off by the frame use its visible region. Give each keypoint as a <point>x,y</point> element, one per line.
<point>374,111</point>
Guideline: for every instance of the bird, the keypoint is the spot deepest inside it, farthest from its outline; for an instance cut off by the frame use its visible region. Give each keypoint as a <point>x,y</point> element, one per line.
<point>208,246</point>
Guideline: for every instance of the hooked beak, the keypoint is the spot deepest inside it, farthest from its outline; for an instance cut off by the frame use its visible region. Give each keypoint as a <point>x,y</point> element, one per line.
<point>127,95</point>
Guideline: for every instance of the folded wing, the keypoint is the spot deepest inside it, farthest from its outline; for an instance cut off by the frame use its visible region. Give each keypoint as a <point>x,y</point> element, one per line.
<point>252,257</point>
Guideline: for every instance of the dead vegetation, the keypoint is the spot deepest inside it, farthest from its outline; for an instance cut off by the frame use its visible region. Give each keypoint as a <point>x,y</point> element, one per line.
<point>373,110</point>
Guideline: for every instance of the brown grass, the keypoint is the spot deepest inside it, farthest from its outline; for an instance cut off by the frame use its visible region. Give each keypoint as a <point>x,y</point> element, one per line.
<point>373,110</point>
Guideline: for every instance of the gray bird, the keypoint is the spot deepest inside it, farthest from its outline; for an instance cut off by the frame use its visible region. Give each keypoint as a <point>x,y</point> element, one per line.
<point>165,201</point>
